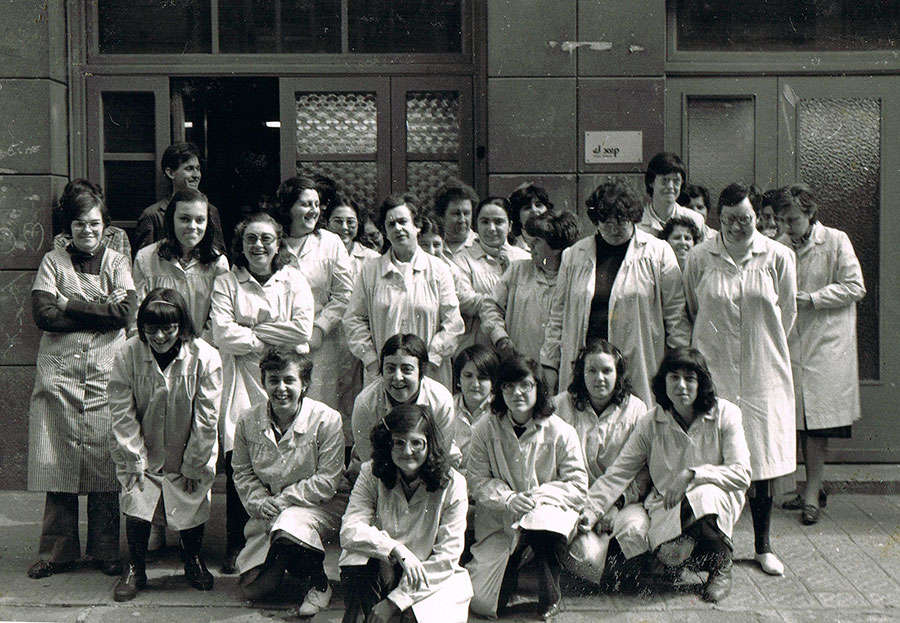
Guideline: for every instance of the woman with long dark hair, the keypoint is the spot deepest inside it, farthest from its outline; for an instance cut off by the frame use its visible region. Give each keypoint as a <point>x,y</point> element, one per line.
<point>403,531</point>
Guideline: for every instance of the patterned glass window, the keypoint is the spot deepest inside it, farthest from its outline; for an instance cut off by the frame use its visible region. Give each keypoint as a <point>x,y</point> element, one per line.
<point>839,155</point>
<point>337,136</point>
<point>432,140</point>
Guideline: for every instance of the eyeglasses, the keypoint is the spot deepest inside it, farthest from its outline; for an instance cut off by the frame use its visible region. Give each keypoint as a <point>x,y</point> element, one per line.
<point>266,239</point>
<point>165,329</point>
<point>742,219</point>
<point>416,445</point>
<point>523,386</point>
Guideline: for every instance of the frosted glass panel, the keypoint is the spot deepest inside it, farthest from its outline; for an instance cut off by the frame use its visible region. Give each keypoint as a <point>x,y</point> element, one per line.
<point>716,127</point>
<point>839,155</point>
<point>432,123</point>
<point>424,178</point>
<point>356,180</point>
<point>336,123</point>
<point>129,122</point>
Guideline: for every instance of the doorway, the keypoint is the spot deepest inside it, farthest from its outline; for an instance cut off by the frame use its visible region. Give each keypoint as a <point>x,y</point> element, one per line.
<point>235,124</point>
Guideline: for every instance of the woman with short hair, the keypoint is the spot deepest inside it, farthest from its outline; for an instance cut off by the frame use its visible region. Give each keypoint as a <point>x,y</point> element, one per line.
<point>164,395</point>
<point>620,284</point>
<point>823,343</point>
<point>82,299</point>
<point>527,476</point>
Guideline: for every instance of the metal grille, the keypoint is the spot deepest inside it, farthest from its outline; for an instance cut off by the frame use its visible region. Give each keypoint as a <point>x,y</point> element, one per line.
<point>336,123</point>
<point>432,123</point>
<point>424,178</point>
<point>356,180</point>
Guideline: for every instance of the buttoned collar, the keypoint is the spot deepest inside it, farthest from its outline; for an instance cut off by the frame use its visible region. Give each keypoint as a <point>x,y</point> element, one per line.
<point>418,261</point>
<point>758,244</point>
<point>243,275</point>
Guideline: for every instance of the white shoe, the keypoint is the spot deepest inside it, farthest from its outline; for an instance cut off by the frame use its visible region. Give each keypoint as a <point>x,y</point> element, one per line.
<point>770,563</point>
<point>315,602</point>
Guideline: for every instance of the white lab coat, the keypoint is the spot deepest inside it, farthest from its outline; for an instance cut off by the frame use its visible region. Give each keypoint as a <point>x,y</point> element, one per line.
<point>742,317</point>
<point>246,319</point>
<point>714,448</point>
<point>164,425</point>
<point>545,461</point>
<point>646,309</point>
<point>823,340</point>
<point>383,304</point>
<point>518,307</point>
<point>324,261</point>
<point>302,470</point>
<point>431,524</point>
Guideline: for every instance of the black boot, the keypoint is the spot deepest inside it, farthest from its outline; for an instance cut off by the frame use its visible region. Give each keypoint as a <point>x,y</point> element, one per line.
<point>134,574</point>
<point>195,570</point>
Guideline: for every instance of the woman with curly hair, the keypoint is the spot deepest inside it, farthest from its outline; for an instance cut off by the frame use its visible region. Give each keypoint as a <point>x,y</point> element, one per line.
<point>402,533</point>
<point>600,406</point>
<point>682,235</point>
<point>528,479</point>
<point>620,284</point>
<point>694,447</point>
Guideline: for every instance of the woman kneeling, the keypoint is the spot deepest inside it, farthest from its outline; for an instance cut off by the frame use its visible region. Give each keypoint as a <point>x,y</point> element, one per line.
<point>288,458</point>
<point>699,463</point>
<point>164,394</point>
<point>402,534</point>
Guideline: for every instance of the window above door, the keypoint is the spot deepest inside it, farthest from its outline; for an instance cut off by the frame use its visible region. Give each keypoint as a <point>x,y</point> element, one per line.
<point>434,30</point>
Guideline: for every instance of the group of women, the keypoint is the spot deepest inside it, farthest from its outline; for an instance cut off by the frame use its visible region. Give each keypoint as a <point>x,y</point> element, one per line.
<point>681,374</point>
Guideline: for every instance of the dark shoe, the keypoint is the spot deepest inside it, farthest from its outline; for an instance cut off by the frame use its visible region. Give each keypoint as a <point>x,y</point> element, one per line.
<point>550,611</point>
<point>133,580</point>
<point>810,515</point>
<point>197,574</point>
<point>718,585</point>
<point>44,569</point>
<point>796,504</point>
<point>229,564</point>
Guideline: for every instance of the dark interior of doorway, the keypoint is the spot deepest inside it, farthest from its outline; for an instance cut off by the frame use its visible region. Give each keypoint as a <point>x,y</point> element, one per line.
<point>234,122</point>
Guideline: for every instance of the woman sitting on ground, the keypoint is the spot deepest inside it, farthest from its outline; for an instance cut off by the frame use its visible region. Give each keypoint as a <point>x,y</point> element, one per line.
<point>694,446</point>
<point>402,533</point>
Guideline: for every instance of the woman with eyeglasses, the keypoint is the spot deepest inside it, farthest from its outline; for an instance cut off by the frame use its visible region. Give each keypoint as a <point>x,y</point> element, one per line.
<point>403,530</point>
<point>262,301</point>
<point>322,258</point>
<point>527,476</point>
<point>164,395</point>
<point>82,299</point>
<point>741,293</point>
<point>622,285</point>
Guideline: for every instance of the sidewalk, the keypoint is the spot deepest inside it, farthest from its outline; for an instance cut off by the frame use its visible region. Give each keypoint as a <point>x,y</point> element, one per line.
<point>845,568</point>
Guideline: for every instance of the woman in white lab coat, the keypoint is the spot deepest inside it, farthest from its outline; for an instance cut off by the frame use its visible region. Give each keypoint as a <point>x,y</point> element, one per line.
<point>527,476</point>
<point>322,258</point>
<point>262,301</point>
<point>186,260</point>
<point>516,311</point>
<point>164,395</point>
<point>601,408</point>
<point>694,446</point>
<point>405,290</point>
<point>823,342</point>
<point>288,459</point>
<point>741,288</point>
<point>622,285</point>
<point>402,533</point>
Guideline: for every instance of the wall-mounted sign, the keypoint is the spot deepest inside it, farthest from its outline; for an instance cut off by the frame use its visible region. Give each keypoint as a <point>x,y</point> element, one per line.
<point>613,147</point>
